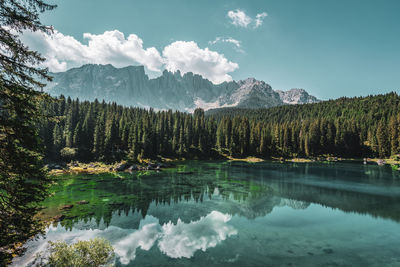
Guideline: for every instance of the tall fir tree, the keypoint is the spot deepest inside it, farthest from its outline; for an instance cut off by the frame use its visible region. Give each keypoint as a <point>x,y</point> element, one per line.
<point>23,181</point>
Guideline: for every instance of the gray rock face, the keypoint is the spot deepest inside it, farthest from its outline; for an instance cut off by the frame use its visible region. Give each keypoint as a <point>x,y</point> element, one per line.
<point>102,82</point>
<point>256,94</point>
<point>297,96</point>
<point>132,87</point>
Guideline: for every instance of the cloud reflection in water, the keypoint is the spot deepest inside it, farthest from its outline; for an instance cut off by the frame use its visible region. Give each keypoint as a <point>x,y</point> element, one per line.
<point>180,240</point>
<point>183,239</point>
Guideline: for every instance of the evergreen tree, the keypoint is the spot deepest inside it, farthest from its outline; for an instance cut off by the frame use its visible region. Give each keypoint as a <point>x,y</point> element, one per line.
<point>383,140</point>
<point>394,135</point>
<point>98,137</point>
<point>23,181</point>
<point>119,132</point>
<point>57,141</point>
<point>111,139</point>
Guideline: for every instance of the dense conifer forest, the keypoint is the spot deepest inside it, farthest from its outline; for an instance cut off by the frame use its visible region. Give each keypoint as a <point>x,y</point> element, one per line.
<point>346,127</point>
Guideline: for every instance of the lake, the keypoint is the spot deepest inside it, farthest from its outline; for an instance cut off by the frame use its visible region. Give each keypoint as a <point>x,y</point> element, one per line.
<point>207,213</point>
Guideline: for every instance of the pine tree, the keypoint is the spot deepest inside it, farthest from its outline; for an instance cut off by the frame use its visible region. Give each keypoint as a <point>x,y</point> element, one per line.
<point>133,144</point>
<point>69,126</point>
<point>133,131</point>
<point>111,138</point>
<point>182,147</point>
<point>383,140</point>
<point>87,134</point>
<point>286,141</point>
<point>394,135</point>
<point>398,136</point>
<point>57,141</point>
<point>263,143</point>
<point>23,181</point>
<point>98,137</point>
<point>77,139</point>
<point>188,131</point>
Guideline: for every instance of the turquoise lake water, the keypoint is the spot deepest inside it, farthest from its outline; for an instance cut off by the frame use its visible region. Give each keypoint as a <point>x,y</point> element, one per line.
<point>214,213</point>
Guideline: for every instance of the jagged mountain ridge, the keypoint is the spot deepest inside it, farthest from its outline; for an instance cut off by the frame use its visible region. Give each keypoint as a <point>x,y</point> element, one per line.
<point>296,96</point>
<point>132,87</point>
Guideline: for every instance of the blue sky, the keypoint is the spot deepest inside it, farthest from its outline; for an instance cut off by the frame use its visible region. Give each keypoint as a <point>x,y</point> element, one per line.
<point>331,48</point>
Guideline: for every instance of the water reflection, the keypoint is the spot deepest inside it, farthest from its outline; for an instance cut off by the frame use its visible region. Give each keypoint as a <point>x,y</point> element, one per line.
<point>204,205</point>
<point>183,239</point>
<point>180,240</point>
<point>247,190</point>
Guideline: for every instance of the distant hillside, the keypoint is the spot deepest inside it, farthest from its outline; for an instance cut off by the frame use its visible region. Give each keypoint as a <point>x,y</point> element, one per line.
<point>130,86</point>
<point>357,108</point>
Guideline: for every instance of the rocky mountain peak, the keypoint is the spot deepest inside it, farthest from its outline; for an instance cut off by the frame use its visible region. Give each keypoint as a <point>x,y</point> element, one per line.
<point>297,96</point>
<point>251,82</point>
<point>172,90</point>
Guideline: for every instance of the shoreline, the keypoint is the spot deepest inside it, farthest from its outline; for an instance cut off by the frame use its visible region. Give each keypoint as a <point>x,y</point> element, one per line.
<point>100,167</point>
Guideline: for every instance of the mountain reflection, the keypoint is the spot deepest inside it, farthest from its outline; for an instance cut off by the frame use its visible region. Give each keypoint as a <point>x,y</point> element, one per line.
<point>229,212</point>
<point>248,190</point>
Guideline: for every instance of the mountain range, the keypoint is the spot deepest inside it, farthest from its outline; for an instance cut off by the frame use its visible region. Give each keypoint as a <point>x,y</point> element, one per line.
<point>131,86</point>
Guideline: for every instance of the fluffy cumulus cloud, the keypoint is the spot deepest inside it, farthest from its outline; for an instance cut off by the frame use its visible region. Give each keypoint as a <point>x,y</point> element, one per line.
<point>189,57</point>
<point>113,47</point>
<point>239,18</point>
<point>180,240</point>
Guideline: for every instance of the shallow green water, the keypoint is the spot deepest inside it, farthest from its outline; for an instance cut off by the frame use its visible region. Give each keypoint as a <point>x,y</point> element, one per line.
<point>235,214</point>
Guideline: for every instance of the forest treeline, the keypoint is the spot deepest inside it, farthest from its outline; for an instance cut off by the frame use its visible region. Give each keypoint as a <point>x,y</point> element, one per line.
<point>346,127</point>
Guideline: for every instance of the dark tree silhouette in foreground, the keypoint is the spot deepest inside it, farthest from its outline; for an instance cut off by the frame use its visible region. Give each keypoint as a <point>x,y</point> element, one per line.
<point>23,181</point>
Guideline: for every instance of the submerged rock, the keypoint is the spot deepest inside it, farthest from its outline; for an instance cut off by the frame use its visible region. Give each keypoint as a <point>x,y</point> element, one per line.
<point>381,162</point>
<point>67,207</point>
<point>151,166</point>
<point>133,168</point>
<point>121,167</point>
<point>58,218</point>
<point>52,166</point>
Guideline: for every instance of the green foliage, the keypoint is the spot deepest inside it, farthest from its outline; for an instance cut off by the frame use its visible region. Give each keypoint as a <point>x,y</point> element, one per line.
<point>23,181</point>
<point>343,127</point>
<point>92,253</point>
<point>367,109</point>
<point>68,153</point>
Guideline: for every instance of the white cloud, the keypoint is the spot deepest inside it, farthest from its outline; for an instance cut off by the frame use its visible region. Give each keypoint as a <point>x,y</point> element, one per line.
<point>260,19</point>
<point>236,43</point>
<point>112,47</point>
<point>188,57</point>
<point>239,18</point>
